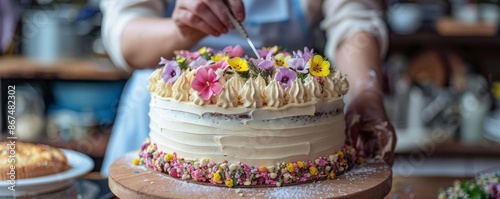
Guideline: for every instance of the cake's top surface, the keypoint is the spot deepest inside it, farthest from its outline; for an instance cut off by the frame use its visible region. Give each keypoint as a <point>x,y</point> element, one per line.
<point>227,79</point>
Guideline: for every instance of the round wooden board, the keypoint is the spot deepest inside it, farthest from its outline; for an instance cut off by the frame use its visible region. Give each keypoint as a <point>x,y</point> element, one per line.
<point>369,180</point>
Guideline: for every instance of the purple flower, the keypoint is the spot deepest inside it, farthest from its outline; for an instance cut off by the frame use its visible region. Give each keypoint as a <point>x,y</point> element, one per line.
<point>285,77</point>
<point>494,189</point>
<point>171,72</point>
<point>306,55</point>
<point>265,64</point>
<point>163,61</point>
<point>299,65</point>
<point>200,61</point>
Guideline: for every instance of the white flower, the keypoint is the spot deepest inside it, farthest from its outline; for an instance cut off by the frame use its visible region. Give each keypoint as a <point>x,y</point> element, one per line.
<point>204,162</point>
<point>223,165</point>
<point>247,182</point>
<point>278,184</point>
<point>233,167</point>
<point>273,175</point>
<point>328,168</point>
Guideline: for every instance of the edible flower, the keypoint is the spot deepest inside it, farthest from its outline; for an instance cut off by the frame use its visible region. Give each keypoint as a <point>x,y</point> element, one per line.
<point>237,51</point>
<point>299,65</point>
<point>219,57</point>
<point>285,77</point>
<point>186,54</point>
<point>265,64</point>
<point>313,170</point>
<point>331,175</point>
<point>281,60</point>
<point>238,64</point>
<point>306,55</point>
<point>300,164</point>
<point>200,61</point>
<point>206,82</point>
<point>136,161</point>
<point>263,169</point>
<point>229,183</point>
<point>169,157</point>
<point>319,67</point>
<point>223,65</point>
<point>171,72</point>
<point>217,178</point>
<point>266,50</point>
<point>289,167</point>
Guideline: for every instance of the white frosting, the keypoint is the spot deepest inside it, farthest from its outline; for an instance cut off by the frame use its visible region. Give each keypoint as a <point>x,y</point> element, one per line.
<point>264,136</point>
<point>313,88</point>
<point>261,83</point>
<point>228,98</point>
<point>181,88</point>
<point>250,95</point>
<point>329,88</point>
<point>274,94</point>
<point>296,93</point>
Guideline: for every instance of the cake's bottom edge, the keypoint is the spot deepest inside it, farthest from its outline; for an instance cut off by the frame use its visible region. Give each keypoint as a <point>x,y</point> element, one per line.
<point>238,174</point>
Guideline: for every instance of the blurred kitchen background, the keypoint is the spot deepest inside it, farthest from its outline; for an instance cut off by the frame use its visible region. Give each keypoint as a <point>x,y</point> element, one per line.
<point>442,76</point>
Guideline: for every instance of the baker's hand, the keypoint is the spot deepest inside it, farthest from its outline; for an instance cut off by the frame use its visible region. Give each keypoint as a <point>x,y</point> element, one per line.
<point>368,128</point>
<point>206,17</point>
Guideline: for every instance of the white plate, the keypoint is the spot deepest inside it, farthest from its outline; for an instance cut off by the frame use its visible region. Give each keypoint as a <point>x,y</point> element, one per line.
<point>80,164</point>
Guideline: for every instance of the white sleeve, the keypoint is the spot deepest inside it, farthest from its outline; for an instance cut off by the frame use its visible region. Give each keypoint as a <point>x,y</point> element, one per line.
<point>344,18</point>
<point>116,15</point>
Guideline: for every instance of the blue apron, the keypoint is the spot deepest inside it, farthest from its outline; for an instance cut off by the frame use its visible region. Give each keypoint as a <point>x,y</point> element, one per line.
<point>268,23</point>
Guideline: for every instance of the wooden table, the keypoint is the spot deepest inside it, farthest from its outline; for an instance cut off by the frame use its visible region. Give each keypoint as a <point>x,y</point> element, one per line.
<point>370,180</point>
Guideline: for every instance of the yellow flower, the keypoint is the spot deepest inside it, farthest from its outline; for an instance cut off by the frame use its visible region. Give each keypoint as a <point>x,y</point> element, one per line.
<point>229,183</point>
<point>300,164</point>
<point>263,169</point>
<point>273,49</point>
<point>319,67</point>
<point>217,178</point>
<point>169,157</point>
<point>136,161</point>
<point>238,64</point>
<point>290,167</point>
<point>331,176</point>
<point>360,160</point>
<point>313,171</point>
<point>281,60</point>
<point>219,57</point>
<point>180,59</point>
<point>202,50</point>
<point>341,154</point>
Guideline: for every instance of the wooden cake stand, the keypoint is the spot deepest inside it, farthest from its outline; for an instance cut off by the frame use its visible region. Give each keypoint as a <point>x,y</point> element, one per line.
<point>126,180</point>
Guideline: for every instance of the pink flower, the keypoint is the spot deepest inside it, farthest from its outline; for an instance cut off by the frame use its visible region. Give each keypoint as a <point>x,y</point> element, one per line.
<point>206,82</point>
<point>222,64</point>
<point>188,55</point>
<point>237,51</point>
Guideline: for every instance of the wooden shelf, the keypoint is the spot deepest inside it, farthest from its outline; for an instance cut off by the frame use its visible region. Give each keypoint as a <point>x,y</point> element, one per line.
<point>456,148</point>
<point>66,69</point>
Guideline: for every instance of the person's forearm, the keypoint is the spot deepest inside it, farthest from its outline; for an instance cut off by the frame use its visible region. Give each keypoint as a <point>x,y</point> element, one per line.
<point>145,40</point>
<point>359,58</point>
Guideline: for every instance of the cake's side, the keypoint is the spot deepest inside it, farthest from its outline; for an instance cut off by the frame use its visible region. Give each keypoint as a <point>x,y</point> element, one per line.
<point>255,137</point>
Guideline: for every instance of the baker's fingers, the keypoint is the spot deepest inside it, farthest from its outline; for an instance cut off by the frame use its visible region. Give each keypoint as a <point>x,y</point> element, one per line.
<point>184,17</point>
<point>237,8</point>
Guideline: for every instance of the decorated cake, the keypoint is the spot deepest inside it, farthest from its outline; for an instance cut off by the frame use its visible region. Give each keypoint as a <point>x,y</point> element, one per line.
<point>231,120</point>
